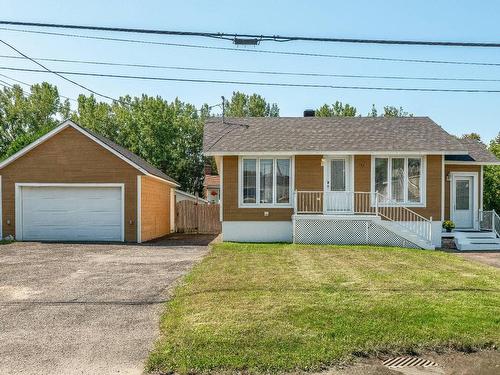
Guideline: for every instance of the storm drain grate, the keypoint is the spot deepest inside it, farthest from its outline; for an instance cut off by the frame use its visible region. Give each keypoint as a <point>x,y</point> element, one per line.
<point>408,362</point>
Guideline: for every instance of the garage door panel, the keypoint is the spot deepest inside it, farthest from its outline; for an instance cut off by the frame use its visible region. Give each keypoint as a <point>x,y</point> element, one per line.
<point>71,213</point>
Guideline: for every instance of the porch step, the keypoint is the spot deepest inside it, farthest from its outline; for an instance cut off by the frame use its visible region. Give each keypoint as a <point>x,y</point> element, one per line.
<point>477,241</point>
<point>406,234</point>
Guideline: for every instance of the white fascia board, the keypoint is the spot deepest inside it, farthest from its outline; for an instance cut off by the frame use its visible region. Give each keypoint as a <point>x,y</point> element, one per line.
<point>290,153</point>
<point>180,192</point>
<point>451,162</point>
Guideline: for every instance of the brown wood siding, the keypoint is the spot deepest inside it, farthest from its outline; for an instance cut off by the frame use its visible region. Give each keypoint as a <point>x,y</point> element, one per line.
<point>447,184</point>
<point>362,172</point>
<point>362,182</point>
<point>308,173</point>
<point>69,157</point>
<point>155,208</point>
<point>231,211</point>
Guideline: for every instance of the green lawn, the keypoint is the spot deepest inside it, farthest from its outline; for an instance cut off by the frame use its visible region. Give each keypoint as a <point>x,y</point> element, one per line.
<point>279,307</point>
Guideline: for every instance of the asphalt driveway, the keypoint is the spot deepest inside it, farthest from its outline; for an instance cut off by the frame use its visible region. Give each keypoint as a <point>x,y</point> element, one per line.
<point>86,308</point>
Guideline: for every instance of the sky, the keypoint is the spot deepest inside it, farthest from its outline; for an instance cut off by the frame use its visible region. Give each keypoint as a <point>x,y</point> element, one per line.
<point>458,113</point>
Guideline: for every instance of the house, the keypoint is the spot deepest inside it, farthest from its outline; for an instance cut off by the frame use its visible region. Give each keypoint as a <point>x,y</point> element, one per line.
<point>211,187</point>
<point>347,180</point>
<point>75,185</point>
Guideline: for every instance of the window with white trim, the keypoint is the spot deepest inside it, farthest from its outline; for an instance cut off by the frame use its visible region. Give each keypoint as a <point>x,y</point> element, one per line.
<point>399,179</point>
<point>265,181</point>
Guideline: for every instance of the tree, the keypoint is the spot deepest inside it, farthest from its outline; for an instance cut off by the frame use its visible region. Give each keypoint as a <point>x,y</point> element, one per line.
<point>475,136</point>
<point>243,105</point>
<point>491,191</point>
<point>26,116</point>
<point>336,109</point>
<point>389,111</point>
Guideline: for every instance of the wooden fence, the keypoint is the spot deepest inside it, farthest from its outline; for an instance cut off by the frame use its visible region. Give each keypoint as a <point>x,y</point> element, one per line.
<point>192,217</point>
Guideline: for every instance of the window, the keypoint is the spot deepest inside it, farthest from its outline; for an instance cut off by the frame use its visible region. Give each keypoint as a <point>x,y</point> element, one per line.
<point>338,175</point>
<point>249,181</point>
<point>265,181</point>
<point>399,179</point>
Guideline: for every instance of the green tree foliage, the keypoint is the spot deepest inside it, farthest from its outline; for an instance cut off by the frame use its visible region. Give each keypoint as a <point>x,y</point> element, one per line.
<point>475,136</point>
<point>389,111</point>
<point>491,194</point>
<point>26,116</point>
<point>336,109</point>
<point>166,134</point>
<point>243,105</point>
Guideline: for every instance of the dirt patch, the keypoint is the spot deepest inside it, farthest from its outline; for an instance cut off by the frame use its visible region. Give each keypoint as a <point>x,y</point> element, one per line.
<point>491,258</point>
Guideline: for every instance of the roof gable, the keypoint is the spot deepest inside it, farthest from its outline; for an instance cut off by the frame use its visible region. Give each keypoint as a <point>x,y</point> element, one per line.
<point>122,153</point>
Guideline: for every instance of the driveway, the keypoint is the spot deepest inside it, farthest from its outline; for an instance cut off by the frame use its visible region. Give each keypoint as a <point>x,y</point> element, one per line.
<point>491,258</point>
<point>86,308</point>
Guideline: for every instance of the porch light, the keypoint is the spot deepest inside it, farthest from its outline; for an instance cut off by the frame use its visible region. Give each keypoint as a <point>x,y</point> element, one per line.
<point>323,161</point>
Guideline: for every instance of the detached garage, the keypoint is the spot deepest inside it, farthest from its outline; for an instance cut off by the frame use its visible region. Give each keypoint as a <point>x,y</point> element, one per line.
<point>75,185</point>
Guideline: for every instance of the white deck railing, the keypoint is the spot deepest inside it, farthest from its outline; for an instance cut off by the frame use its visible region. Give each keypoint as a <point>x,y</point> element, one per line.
<point>363,203</point>
<point>489,220</point>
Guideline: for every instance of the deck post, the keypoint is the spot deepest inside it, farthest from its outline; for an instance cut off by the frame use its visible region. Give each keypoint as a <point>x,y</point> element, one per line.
<point>376,202</point>
<point>295,201</point>
<point>430,229</point>
<point>493,214</point>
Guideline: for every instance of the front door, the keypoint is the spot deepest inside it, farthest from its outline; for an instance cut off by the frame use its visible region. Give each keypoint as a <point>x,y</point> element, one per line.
<point>338,195</point>
<point>463,202</point>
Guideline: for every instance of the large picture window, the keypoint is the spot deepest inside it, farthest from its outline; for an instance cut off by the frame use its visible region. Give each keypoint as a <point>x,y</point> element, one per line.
<point>399,179</point>
<point>265,181</point>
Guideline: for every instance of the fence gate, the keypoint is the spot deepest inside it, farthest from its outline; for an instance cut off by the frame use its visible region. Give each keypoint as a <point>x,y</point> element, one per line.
<point>192,217</point>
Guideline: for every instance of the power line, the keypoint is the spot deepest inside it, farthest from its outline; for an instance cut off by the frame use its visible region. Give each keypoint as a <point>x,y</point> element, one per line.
<point>61,76</point>
<point>254,37</point>
<point>258,51</point>
<point>252,83</point>
<point>29,85</point>
<point>246,71</point>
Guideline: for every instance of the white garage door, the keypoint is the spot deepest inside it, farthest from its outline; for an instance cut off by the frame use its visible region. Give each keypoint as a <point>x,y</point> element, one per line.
<point>70,213</point>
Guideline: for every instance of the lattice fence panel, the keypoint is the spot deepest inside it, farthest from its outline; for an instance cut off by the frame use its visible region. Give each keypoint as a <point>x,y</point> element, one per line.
<point>346,232</point>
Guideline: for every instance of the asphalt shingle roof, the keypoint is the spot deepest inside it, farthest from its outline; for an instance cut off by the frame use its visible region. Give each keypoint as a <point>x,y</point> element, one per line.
<point>317,134</point>
<point>476,152</point>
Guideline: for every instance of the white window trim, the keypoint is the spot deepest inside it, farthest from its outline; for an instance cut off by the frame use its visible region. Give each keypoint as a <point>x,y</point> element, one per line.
<point>18,201</point>
<point>423,179</point>
<point>257,172</point>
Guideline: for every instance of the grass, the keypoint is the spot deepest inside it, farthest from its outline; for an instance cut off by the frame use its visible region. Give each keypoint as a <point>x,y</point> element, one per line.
<point>278,307</point>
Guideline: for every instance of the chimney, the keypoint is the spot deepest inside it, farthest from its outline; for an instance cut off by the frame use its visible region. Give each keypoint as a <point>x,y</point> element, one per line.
<point>309,113</point>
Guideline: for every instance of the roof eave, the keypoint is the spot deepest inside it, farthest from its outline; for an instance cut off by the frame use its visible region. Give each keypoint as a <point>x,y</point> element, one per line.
<point>406,152</point>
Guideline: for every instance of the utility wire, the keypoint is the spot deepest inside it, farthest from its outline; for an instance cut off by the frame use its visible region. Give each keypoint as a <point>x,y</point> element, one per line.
<point>258,51</point>
<point>245,71</point>
<point>257,37</point>
<point>29,85</point>
<point>61,76</point>
<point>253,83</point>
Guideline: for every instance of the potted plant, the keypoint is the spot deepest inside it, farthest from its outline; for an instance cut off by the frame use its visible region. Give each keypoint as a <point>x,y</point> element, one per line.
<point>448,225</point>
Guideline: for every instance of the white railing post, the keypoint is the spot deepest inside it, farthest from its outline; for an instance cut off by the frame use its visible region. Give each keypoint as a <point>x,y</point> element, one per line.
<point>376,202</point>
<point>430,229</point>
<point>295,199</point>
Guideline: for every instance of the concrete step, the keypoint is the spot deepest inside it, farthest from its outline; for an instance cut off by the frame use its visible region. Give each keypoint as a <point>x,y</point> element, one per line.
<point>478,246</point>
<point>474,234</point>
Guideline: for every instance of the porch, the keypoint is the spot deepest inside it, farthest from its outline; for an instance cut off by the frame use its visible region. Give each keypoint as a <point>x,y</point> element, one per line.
<point>349,217</point>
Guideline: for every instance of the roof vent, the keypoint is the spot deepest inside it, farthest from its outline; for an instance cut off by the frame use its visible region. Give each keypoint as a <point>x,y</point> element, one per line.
<point>309,113</point>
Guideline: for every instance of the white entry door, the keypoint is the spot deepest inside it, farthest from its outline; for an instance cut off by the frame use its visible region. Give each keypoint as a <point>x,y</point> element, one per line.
<point>338,194</point>
<point>69,213</point>
<point>463,201</point>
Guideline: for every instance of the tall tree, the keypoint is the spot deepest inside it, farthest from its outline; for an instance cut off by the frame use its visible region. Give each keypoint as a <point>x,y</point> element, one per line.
<point>389,111</point>
<point>475,136</point>
<point>336,109</point>
<point>243,105</point>
<point>491,191</point>
<point>24,116</point>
